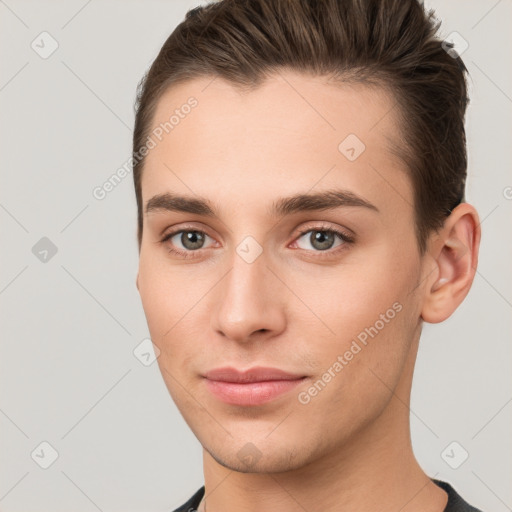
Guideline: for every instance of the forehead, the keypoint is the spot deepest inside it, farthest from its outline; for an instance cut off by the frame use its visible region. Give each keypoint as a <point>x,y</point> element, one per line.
<point>292,132</point>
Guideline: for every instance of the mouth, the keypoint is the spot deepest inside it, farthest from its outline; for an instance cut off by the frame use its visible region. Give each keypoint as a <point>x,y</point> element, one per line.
<point>255,386</point>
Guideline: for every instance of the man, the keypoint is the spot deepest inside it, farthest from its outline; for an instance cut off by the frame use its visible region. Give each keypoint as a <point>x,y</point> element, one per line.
<point>299,172</point>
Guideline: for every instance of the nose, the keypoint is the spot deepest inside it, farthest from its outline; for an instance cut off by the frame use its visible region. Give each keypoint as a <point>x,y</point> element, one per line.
<point>249,302</point>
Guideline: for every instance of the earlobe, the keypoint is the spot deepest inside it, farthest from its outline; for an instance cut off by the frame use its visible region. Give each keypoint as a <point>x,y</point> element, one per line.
<point>455,253</point>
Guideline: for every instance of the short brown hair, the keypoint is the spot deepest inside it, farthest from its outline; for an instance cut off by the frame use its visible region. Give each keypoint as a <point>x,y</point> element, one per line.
<point>390,43</point>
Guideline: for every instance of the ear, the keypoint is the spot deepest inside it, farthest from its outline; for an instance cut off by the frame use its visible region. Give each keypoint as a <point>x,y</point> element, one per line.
<point>454,249</point>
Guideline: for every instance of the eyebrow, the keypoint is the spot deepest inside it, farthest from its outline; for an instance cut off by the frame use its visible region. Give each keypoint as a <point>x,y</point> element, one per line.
<point>317,201</point>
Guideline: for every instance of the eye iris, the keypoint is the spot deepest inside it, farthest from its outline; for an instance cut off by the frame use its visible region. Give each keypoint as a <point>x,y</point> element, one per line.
<point>324,238</point>
<point>192,239</point>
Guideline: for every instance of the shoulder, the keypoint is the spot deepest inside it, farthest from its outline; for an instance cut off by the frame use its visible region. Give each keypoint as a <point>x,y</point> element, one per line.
<point>455,501</point>
<point>192,504</point>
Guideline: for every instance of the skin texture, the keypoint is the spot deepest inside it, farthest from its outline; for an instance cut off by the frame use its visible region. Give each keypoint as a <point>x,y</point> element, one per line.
<point>296,307</point>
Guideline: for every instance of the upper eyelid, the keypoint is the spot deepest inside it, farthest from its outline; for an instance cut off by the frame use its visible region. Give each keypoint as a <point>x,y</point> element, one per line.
<point>325,227</point>
<point>316,225</point>
<point>174,232</point>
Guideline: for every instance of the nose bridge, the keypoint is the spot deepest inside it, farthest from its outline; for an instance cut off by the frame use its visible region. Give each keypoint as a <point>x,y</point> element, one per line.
<point>247,297</point>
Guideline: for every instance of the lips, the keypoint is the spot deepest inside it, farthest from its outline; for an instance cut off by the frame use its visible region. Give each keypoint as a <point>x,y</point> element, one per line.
<point>256,374</point>
<point>255,386</point>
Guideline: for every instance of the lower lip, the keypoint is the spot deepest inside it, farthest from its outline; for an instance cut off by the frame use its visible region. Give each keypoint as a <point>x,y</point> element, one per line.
<point>254,393</point>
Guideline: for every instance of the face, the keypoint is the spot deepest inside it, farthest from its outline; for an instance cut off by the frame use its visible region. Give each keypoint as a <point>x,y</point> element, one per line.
<point>324,288</point>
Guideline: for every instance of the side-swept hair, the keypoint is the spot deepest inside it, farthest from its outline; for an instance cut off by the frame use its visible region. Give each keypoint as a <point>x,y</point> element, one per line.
<point>388,43</point>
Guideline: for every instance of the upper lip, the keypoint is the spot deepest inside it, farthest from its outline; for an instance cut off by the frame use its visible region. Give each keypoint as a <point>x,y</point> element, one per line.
<point>256,374</point>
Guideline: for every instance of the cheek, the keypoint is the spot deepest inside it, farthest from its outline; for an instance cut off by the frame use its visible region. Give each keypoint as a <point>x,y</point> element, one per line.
<point>353,296</point>
<point>167,307</point>
<point>172,299</point>
<point>164,289</point>
<point>161,294</point>
<point>366,314</point>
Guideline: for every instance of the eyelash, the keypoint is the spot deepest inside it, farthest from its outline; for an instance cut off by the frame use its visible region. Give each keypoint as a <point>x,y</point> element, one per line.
<point>347,240</point>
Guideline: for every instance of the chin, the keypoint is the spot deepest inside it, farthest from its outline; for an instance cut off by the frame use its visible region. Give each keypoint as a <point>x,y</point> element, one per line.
<point>275,463</point>
<point>245,456</point>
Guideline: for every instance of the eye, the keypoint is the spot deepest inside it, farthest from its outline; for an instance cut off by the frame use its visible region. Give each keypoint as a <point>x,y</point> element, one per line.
<point>185,242</point>
<point>322,239</point>
<point>188,243</point>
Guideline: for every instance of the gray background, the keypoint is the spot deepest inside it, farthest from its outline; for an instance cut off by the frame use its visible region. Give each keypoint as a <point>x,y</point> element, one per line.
<point>70,324</point>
